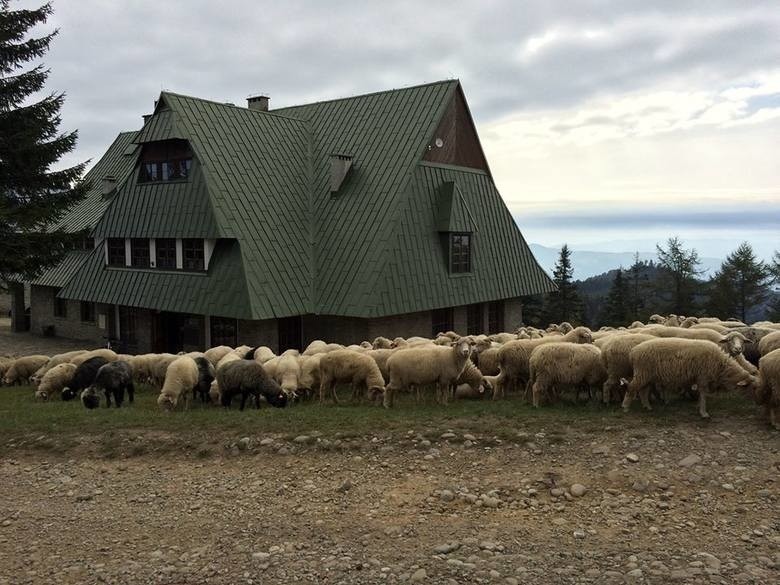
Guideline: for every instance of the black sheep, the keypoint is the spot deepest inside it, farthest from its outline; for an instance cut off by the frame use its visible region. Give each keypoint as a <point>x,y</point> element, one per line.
<point>113,379</point>
<point>247,377</point>
<point>83,377</point>
<point>205,378</point>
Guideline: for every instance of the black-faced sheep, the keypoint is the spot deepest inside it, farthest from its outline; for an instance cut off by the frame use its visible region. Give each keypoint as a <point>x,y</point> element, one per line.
<point>83,376</point>
<point>768,393</point>
<point>22,368</point>
<point>54,381</point>
<point>426,365</point>
<point>514,357</point>
<point>112,379</point>
<point>683,364</point>
<point>247,378</point>
<point>181,379</point>
<point>346,366</point>
<point>206,375</point>
<point>565,364</point>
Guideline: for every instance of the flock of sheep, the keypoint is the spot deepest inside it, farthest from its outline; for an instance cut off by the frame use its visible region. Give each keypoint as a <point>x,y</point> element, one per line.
<point>668,355</point>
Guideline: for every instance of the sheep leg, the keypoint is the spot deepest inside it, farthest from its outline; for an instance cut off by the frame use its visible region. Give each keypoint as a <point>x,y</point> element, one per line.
<point>536,391</point>
<point>323,389</point>
<point>644,395</point>
<point>444,389</point>
<point>108,397</point>
<point>244,394</point>
<point>119,396</point>
<point>130,392</point>
<point>631,393</point>
<point>703,403</point>
<point>387,401</point>
<point>334,393</point>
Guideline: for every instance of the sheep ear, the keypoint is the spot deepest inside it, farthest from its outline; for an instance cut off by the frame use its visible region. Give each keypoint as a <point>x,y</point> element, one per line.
<point>742,383</point>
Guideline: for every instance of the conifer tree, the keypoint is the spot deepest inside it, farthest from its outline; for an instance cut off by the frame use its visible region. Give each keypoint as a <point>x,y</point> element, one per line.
<point>616,310</point>
<point>741,283</point>
<point>680,267</point>
<point>32,194</point>
<point>564,304</point>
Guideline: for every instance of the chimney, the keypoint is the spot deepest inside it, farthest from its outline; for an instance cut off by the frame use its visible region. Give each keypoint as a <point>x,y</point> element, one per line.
<point>108,186</point>
<point>257,102</point>
<point>146,117</point>
<point>340,165</point>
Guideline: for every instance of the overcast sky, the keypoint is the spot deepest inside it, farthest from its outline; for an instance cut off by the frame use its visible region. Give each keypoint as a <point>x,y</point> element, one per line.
<point>602,120</point>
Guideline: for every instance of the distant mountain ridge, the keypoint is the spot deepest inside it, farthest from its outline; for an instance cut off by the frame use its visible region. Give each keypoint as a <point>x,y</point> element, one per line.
<point>588,263</point>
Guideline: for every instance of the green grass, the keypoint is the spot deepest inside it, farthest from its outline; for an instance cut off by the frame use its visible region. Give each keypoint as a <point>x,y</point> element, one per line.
<point>55,425</point>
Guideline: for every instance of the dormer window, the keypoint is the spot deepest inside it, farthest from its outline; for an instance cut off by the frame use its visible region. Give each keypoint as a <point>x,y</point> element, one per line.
<point>168,160</point>
<point>460,253</point>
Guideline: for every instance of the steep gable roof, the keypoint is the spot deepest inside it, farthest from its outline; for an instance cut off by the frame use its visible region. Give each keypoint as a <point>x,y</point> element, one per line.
<point>386,133</point>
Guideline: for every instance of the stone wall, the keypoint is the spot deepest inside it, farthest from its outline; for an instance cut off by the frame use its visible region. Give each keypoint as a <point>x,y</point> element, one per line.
<point>256,333</point>
<point>42,316</point>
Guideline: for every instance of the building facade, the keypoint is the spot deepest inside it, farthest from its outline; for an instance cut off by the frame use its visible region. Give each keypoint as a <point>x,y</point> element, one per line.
<point>340,220</point>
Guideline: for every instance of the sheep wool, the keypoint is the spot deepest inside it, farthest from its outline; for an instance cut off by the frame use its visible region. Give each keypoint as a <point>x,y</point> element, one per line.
<point>571,364</point>
<point>54,381</point>
<point>113,379</point>
<point>181,377</point>
<point>215,354</point>
<point>769,343</point>
<point>684,363</point>
<point>22,368</point>
<point>247,377</point>
<point>106,354</point>
<point>615,353</point>
<point>768,393</point>
<point>83,377</point>
<point>346,366</point>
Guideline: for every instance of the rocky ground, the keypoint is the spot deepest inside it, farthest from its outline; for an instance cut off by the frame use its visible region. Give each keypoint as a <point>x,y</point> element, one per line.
<point>691,503</point>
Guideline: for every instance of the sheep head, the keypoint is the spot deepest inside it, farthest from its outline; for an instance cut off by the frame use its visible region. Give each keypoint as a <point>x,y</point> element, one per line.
<point>734,342</point>
<point>41,395</point>
<point>90,398</point>
<point>463,347</point>
<point>481,345</point>
<point>656,318</point>
<point>167,403</point>
<point>580,335</point>
<point>565,327</point>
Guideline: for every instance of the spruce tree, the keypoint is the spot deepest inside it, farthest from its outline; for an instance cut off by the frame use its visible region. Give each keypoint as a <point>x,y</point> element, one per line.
<point>678,279</point>
<point>616,309</point>
<point>741,283</point>
<point>32,195</point>
<point>564,304</point>
<point>636,285</point>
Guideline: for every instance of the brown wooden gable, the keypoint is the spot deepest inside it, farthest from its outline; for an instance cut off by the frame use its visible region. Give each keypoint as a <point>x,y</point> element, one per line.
<point>455,141</point>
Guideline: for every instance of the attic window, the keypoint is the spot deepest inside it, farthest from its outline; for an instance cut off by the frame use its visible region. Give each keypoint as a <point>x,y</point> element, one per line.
<point>168,160</point>
<point>340,167</point>
<point>460,253</point>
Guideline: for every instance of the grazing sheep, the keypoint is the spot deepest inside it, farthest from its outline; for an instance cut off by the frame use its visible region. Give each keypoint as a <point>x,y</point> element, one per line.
<point>242,350</point>
<point>381,356</point>
<point>264,354</point>
<point>22,368</point>
<point>206,375</point>
<point>471,377</point>
<point>315,347</point>
<point>422,366</point>
<point>345,366</point>
<point>288,372</point>
<point>769,343</point>
<point>113,379</point>
<point>381,343</point>
<point>181,378</point>
<point>56,360</point>
<point>683,364</point>
<point>54,381</point>
<point>248,377</point>
<point>514,357</point>
<point>615,356</point>
<point>217,353</point>
<point>158,368</point>
<point>107,354</point>
<point>564,363</point>
<point>502,337</point>
<point>83,377</point>
<point>768,393</point>
<point>5,363</point>
<point>309,381</point>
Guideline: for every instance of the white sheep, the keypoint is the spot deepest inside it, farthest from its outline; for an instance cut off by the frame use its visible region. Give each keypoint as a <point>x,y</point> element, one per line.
<point>264,354</point>
<point>55,360</point>
<point>569,364</point>
<point>309,380</point>
<point>106,354</point>
<point>22,368</point>
<point>615,353</point>
<point>684,364</point>
<point>381,343</point>
<point>54,381</point>
<point>215,354</point>
<point>180,379</point>
<point>768,393</point>
<point>426,365</point>
<point>769,343</point>
<point>345,366</point>
<point>288,372</point>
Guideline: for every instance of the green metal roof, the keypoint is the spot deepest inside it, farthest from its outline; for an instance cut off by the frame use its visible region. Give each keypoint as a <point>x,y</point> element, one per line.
<point>261,181</point>
<point>87,212</point>
<point>222,291</point>
<point>452,212</point>
<point>60,274</point>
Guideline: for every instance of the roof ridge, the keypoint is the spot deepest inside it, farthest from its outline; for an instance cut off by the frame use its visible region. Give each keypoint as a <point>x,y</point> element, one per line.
<point>229,105</point>
<point>372,93</point>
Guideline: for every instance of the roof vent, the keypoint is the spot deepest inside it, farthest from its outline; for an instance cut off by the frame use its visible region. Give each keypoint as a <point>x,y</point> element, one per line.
<point>108,186</point>
<point>340,166</point>
<point>258,102</point>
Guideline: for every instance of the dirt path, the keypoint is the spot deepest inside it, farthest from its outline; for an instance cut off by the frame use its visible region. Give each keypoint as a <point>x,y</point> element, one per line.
<point>28,344</point>
<point>700,504</point>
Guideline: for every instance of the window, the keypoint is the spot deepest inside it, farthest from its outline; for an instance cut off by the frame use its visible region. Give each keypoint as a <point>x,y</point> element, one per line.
<point>496,317</point>
<point>193,255</point>
<point>223,331</point>
<point>441,321</point>
<point>289,333</point>
<point>60,308</point>
<point>116,252</point>
<point>460,253</point>
<point>165,253</point>
<point>475,322</point>
<point>192,332</point>
<point>128,324</point>
<point>139,253</point>
<point>169,160</point>
<point>87,312</point>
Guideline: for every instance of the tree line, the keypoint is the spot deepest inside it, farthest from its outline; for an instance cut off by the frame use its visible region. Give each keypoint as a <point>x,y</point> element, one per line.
<point>673,283</point>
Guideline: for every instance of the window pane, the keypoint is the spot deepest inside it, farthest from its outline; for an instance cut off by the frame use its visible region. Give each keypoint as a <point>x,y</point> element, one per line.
<point>441,321</point>
<point>223,331</point>
<point>460,253</point>
<point>87,312</point>
<point>194,258</point>
<point>139,253</point>
<point>474,320</point>
<point>165,252</point>
<point>116,252</point>
<point>60,308</point>
<point>149,172</point>
<point>496,317</point>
